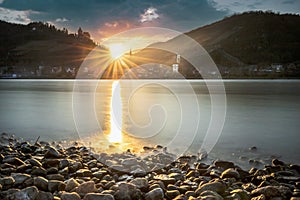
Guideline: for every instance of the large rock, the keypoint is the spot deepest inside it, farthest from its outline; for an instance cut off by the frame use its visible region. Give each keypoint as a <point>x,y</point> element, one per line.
<point>55,177</point>
<point>140,183</point>
<point>34,162</point>
<point>95,196</point>
<point>260,197</point>
<point>230,173</point>
<point>55,185</point>
<point>52,153</point>
<point>272,191</point>
<point>39,171</point>
<point>41,183</point>
<point>87,187</point>
<point>51,162</point>
<point>171,194</point>
<point>177,176</point>
<point>44,196</point>
<point>13,161</point>
<point>126,191</point>
<point>129,162</point>
<point>166,179</point>
<point>20,178</point>
<point>213,186</point>
<point>63,163</point>
<point>70,196</point>
<point>224,164</point>
<point>71,184</point>
<point>29,193</point>
<point>100,174</point>
<point>211,195</point>
<point>241,193</point>
<point>84,173</point>
<point>155,194</point>
<point>7,181</point>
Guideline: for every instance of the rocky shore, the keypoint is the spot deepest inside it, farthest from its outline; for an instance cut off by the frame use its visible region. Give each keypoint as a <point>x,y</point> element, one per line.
<point>44,171</point>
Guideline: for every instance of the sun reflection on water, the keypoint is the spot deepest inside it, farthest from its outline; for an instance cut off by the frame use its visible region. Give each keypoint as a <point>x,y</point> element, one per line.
<point>115,135</point>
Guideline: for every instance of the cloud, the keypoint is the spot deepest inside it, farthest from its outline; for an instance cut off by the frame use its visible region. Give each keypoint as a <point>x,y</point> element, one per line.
<point>238,6</point>
<point>1,1</point>
<point>61,20</point>
<point>16,16</point>
<point>110,28</point>
<point>149,15</point>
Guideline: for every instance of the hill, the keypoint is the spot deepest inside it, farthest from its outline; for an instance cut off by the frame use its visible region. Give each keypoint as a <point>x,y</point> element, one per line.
<point>37,44</point>
<point>247,44</point>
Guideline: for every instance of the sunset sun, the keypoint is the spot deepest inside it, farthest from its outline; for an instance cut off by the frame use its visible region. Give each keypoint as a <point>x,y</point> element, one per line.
<point>117,50</point>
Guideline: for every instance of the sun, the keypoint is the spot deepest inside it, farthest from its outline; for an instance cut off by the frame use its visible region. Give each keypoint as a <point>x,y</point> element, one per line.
<point>116,50</point>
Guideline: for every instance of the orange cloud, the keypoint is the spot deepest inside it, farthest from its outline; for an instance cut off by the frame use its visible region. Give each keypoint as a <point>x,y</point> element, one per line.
<point>111,28</point>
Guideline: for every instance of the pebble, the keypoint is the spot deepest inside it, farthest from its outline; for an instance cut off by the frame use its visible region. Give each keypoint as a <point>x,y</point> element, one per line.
<point>44,196</point>
<point>52,153</point>
<point>20,178</point>
<point>71,184</point>
<point>44,172</point>
<point>55,185</point>
<point>140,183</point>
<point>86,187</point>
<point>95,196</point>
<point>171,194</point>
<point>41,183</point>
<point>230,173</point>
<point>213,186</point>
<point>272,191</point>
<point>155,194</point>
<point>70,196</point>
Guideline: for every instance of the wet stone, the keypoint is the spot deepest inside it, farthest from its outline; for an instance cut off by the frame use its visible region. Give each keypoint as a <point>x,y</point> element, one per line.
<point>95,196</point>
<point>13,161</point>
<point>55,177</point>
<point>171,194</point>
<point>52,153</point>
<point>84,173</point>
<point>213,186</point>
<point>55,185</point>
<point>71,184</point>
<point>165,179</point>
<point>70,196</point>
<point>39,171</point>
<point>140,183</point>
<point>155,194</point>
<point>27,193</point>
<point>7,181</point>
<point>35,162</point>
<point>41,183</point>
<point>52,170</point>
<point>230,173</point>
<point>272,191</point>
<point>224,164</point>
<point>210,195</point>
<point>20,178</point>
<point>44,196</point>
<point>86,187</point>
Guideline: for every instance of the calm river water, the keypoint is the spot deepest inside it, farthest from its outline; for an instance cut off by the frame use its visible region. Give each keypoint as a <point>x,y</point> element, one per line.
<point>261,113</point>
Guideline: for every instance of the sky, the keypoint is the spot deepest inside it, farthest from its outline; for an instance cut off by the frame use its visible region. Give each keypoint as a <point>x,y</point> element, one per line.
<point>104,18</point>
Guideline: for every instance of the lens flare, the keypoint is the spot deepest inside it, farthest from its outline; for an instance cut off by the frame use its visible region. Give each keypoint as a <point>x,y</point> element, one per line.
<point>115,135</point>
<point>116,50</point>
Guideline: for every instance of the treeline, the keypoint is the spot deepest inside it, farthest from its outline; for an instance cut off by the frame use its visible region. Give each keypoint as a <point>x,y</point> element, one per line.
<point>13,38</point>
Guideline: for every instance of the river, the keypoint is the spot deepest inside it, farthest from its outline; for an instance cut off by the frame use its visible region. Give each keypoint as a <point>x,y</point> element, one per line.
<point>260,113</point>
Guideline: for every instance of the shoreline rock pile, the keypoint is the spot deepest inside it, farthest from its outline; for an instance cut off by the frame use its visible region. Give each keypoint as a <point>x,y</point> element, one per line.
<point>44,171</point>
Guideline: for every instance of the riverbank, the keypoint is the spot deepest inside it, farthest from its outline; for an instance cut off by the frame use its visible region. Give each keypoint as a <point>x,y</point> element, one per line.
<point>39,170</point>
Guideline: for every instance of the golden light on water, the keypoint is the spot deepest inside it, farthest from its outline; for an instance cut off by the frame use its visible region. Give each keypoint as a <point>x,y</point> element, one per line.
<point>115,135</point>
